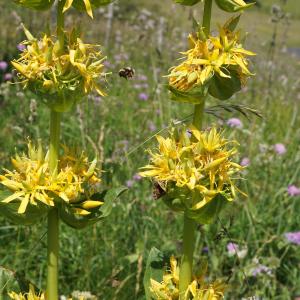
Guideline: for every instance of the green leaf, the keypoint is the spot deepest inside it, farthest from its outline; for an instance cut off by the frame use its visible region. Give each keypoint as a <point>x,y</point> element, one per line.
<point>188,2</point>
<point>232,23</point>
<point>35,4</point>
<point>154,269</point>
<point>78,221</point>
<point>231,5</point>
<point>32,215</point>
<point>210,211</point>
<point>223,88</point>
<point>12,281</point>
<point>194,96</point>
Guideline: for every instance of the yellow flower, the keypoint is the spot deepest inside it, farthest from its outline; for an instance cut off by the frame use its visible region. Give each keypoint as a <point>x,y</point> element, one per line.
<point>60,78</point>
<point>31,180</point>
<point>168,288</point>
<point>28,296</point>
<point>209,56</point>
<point>86,5</point>
<point>197,161</point>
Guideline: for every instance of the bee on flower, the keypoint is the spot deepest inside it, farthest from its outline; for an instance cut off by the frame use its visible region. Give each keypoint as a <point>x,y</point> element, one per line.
<point>194,166</point>
<point>211,63</point>
<point>61,78</point>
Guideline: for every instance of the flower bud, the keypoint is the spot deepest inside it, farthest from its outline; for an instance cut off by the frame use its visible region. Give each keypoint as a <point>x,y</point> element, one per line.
<point>232,5</point>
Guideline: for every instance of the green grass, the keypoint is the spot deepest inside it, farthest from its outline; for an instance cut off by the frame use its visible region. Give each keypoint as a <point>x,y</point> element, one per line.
<point>108,259</point>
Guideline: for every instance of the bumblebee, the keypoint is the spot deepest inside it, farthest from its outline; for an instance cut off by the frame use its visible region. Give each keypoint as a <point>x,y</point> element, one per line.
<point>127,72</point>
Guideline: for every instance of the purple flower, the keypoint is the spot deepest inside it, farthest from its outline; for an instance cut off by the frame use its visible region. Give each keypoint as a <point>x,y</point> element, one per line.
<point>232,248</point>
<point>293,190</point>
<point>137,177</point>
<point>107,64</point>
<point>3,65</point>
<point>142,78</point>
<point>143,96</point>
<point>152,126</point>
<point>205,250</point>
<point>8,76</point>
<point>235,122</point>
<point>279,149</point>
<point>293,237</point>
<point>245,162</point>
<point>261,269</point>
<point>129,183</point>
<point>21,47</point>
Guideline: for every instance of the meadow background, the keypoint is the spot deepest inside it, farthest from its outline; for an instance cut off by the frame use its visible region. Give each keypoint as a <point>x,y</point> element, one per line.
<point>108,260</point>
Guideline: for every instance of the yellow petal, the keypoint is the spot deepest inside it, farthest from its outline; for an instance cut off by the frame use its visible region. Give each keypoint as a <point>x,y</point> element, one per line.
<point>67,5</point>
<point>88,8</point>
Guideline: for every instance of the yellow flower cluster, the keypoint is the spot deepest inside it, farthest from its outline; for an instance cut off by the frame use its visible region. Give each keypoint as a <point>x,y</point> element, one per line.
<point>208,56</point>
<point>53,73</point>
<point>168,289</point>
<point>31,180</point>
<point>31,295</point>
<point>199,161</point>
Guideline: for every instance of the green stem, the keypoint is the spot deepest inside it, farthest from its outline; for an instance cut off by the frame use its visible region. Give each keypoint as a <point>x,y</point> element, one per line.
<point>207,16</point>
<point>198,115</point>
<point>60,24</point>
<point>186,266</point>
<point>189,229</point>
<point>53,220</point>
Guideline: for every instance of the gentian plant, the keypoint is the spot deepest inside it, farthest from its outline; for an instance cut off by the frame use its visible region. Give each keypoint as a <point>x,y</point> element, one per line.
<point>61,182</point>
<point>193,169</point>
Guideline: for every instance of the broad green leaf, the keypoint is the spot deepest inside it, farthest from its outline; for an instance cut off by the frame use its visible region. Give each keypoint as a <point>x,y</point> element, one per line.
<point>154,269</point>
<point>188,2</point>
<point>210,211</point>
<point>233,5</point>
<point>194,96</point>
<point>79,221</point>
<point>223,88</point>
<point>35,4</point>
<point>32,215</point>
<point>12,281</point>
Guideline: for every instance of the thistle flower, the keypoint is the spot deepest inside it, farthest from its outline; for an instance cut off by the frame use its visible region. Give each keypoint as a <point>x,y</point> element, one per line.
<point>31,295</point>
<point>60,78</point>
<point>198,165</point>
<point>168,289</point>
<point>31,181</point>
<point>219,57</point>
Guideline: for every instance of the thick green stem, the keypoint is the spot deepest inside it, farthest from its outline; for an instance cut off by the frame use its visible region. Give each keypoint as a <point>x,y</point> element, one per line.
<point>53,220</point>
<point>60,24</point>
<point>198,115</point>
<point>189,230</point>
<point>186,266</point>
<point>207,16</point>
